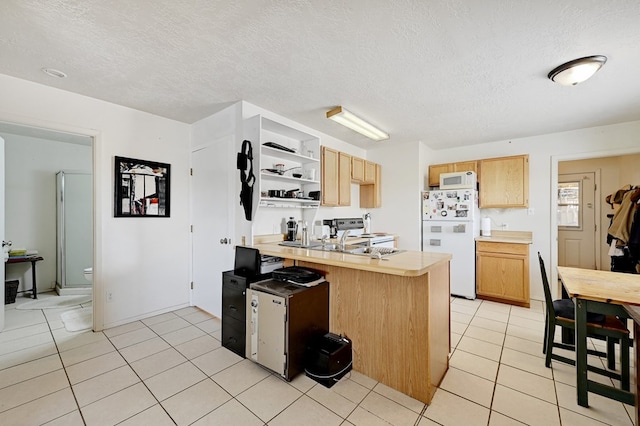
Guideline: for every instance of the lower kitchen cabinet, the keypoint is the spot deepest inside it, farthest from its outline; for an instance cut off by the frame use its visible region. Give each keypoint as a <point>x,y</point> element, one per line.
<point>502,272</point>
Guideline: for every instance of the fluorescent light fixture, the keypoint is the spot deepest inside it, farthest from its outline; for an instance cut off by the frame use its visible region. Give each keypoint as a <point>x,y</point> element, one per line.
<point>347,119</point>
<point>577,71</point>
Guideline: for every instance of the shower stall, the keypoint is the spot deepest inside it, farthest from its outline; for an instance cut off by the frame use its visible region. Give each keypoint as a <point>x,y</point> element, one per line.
<point>74,231</point>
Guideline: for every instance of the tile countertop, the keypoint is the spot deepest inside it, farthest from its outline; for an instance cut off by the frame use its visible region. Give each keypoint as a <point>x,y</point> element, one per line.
<point>515,237</point>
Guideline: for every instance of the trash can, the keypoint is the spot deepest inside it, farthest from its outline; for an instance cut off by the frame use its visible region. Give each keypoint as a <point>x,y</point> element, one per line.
<point>10,291</point>
<point>328,358</point>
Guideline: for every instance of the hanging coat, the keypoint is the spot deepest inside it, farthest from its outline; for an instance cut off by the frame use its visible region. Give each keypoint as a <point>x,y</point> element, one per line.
<point>621,224</point>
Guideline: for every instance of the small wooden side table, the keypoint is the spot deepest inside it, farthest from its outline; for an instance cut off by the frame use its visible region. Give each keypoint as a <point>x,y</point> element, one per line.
<point>33,260</point>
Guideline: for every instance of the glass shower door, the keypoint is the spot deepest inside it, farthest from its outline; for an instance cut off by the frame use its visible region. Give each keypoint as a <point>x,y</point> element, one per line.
<point>75,228</point>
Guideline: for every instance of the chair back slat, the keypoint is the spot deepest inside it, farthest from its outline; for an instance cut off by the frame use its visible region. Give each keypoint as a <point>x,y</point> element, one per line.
<point>547,291</point>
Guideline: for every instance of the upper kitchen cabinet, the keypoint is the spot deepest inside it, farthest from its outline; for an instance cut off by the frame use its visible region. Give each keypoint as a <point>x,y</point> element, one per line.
<point>362,171</point>
<point>286,164</point>
<point>371,194</point>
<point>370,172</point>
<point>435,170</point>
<point>336,178</point>
<point>504,182</point>
<point>357,169</point>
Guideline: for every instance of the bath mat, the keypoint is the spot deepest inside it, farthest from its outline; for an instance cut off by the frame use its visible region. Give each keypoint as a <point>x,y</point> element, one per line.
<point>56,302</point>
<point>77,319</point>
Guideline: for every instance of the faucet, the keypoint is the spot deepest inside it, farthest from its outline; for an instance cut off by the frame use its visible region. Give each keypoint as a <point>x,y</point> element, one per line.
<point>343,239</point>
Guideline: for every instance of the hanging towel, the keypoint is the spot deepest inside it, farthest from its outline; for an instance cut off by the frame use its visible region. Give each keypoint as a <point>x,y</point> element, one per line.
<point>248,179</point>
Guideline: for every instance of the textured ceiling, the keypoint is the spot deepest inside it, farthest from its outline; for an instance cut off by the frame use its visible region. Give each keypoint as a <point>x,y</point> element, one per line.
<point>448,73</point>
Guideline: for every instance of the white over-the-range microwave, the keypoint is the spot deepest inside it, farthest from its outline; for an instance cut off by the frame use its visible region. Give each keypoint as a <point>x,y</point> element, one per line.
<point>458,180</point>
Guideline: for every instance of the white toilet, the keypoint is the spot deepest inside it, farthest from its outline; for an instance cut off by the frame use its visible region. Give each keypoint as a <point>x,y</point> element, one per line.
<point>88,274</point>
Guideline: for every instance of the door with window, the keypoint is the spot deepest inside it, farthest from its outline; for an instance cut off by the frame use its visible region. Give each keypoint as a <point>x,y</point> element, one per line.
<point>576,220</point>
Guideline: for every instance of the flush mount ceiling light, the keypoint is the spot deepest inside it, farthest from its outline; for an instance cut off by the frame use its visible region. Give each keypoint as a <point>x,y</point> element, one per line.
<point>577,71</point>
<point>54,72</point>
<point>347,119</point>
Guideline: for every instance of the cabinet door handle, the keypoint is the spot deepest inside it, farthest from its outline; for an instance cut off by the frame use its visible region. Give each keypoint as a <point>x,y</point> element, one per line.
<point>223,241</point>
<point>233,308</point>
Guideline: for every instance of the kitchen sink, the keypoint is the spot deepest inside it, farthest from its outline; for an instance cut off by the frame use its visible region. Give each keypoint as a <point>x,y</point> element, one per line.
<point>348,248</point>
<point>359,249</point>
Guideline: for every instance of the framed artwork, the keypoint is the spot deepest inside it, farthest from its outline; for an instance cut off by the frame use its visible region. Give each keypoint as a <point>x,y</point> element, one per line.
<point>142,188</point>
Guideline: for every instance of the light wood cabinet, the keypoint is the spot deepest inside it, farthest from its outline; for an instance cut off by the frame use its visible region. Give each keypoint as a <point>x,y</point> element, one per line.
<point>502,272</point>
<point>329,165</point>
<point>371,194</point>
<point>362,171</point>
<point>344,179</point>
<point>435,170</point>
<point>339,170</point>
<point>369,172</point>
<point>357,169</point>
<point>336,178</point>
<point>504,182</point>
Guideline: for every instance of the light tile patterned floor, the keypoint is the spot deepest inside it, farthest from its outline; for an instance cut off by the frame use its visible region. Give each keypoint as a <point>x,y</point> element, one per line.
<point>171,369</point>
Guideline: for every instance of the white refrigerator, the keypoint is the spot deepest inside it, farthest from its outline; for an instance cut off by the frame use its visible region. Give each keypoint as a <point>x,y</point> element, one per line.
<point>450,224</point>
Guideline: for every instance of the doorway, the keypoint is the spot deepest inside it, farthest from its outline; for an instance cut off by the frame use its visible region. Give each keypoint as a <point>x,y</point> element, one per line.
<point>33,157</point>
<point>211,198</point>
<point>577,230</point>
<point>617,168</point>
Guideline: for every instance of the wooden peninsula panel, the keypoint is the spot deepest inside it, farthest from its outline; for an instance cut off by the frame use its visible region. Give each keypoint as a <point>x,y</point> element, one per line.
<point>395,324</point>
<point>398,325</point>
<point>396,311</point>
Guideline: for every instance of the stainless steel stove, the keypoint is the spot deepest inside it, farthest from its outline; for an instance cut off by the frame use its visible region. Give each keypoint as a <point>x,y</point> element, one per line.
<point>355,226</point>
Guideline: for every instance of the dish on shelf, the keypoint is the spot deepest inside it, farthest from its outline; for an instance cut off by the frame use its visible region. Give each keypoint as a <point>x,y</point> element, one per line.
<point>274,171</point>
<point>278,146</point>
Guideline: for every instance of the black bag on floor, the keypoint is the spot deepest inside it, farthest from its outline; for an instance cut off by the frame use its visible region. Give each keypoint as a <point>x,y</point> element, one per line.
<point>328,358</point>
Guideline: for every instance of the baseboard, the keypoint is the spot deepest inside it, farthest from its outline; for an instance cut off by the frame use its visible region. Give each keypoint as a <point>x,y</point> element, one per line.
<point>73,291</point>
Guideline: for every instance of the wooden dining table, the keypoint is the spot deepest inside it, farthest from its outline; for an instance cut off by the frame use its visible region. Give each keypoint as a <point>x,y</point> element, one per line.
<point>602,292</point>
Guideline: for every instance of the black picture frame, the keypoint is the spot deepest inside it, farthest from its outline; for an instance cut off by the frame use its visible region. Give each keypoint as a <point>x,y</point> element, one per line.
<point>142,188</point>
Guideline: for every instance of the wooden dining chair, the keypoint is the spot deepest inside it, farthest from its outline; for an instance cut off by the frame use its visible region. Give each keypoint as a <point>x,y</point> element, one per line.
<point>561,313</point>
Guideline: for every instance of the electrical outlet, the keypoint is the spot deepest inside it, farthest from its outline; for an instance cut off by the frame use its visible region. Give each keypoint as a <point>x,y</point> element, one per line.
<point>504,226</point>
<point>531,211</point>
<point>109,297</point>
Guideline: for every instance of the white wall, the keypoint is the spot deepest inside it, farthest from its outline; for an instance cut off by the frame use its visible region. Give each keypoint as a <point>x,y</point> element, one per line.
<point>31,165</point>
<point>402,181</point>
<point>142,262</point>
<point>544,153</point>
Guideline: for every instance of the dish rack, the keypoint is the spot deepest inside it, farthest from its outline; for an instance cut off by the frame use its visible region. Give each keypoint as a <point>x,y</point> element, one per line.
<point>381,250</point>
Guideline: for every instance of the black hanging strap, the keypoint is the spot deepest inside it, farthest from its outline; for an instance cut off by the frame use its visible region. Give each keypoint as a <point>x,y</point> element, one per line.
<point>245,161</point>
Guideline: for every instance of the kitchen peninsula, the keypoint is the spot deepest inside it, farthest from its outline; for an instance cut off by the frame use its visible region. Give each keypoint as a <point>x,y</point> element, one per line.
<point>395,311</point>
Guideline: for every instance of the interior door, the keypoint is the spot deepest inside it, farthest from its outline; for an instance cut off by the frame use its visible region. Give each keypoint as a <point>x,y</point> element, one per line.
<point>576,220</point>
<point>212,251</point>
<point>2,231</point>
